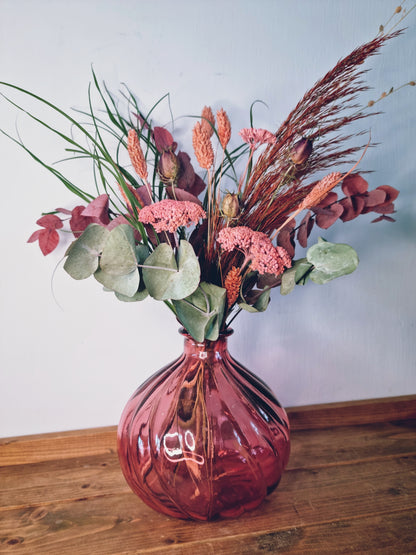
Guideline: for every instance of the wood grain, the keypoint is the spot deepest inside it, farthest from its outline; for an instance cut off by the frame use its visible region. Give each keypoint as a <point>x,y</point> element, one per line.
<point>350,487</point>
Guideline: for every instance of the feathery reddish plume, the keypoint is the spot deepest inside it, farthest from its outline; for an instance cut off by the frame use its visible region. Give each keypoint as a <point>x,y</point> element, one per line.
<point>136,154</point>
<point>202,147</point>
<point>207,121</point>
<point>232,284</point>
<point>224,128</point>
<point>276,185</point>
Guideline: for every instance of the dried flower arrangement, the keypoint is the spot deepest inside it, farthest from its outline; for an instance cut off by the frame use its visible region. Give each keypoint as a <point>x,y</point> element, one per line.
<point>211,246</point>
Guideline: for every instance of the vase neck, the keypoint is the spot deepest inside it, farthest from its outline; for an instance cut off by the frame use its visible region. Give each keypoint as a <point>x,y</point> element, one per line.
<point>211,350</point>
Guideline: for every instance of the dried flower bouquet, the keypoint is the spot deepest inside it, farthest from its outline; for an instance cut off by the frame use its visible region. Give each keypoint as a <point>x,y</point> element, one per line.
<point>211,245</point>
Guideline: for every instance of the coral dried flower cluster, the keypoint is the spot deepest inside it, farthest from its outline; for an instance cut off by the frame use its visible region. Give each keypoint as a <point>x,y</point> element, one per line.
<point>211,232</point>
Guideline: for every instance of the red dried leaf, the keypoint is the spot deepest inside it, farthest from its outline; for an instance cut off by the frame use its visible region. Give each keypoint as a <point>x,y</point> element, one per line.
<point>188,179</point>
<point>35,236</point>
<point>48,240</point>
<point>330,198</point>
<point>163,139</point>
<point>383,217</point>
<point>98,210</point>
<point>64,211</point>
<point>142,121</point>
<point>354,184</point>
<point>180,194</point>
<point>384,209</point>
<point>374,198</point>
<point>286,239</point>
<point>50,221</point>
<point>325,217</point>
<point>78,223</point>
<point>142,193</point>
<point>391,193</point>
<point>353,206</point>
<point>305,229</point>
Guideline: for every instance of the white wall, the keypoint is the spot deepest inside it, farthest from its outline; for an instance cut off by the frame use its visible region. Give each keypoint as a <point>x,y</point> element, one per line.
<point>70,358</point>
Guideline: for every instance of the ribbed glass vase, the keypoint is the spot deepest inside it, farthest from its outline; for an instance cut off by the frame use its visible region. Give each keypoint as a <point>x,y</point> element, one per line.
<point>204,437</point>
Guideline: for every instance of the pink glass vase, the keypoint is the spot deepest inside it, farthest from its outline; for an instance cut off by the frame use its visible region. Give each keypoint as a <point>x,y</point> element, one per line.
<point>204,437</point>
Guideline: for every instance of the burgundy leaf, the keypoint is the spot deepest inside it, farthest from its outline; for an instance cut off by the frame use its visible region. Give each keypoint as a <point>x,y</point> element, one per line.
<point>305,229</point>
<point>98,210</point>
<point>179,194</point>
<point>384,209</point>
<point>383,217</point>
<point>188,179</point>
<point>163,139</point>
<point>325,217</point>
<point>142,193</point>
<point>64,211</point>
<point>78,223</point>
<point>48,240</point>
<point>197,186</point>
<point>374,198</point>
<point>354,184</point>
<point>353,206</point>
<point>286,240</point>
<point>391,193</point>
<point>50,221</point>
<point>35,236</point>
<point>330,198</point>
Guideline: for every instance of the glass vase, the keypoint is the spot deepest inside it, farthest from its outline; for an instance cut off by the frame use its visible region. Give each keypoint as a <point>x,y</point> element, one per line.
<point>203,437</point>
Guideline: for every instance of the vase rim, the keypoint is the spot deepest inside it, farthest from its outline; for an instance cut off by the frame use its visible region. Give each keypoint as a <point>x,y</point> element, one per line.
<point>222,334</point>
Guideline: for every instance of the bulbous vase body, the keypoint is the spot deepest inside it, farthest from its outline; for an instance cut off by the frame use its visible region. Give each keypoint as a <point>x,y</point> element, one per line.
<point>203,437</point>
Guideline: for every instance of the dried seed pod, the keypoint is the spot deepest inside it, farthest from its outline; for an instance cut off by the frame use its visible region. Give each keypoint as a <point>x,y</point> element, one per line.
<point>301,151</point>
<point>230,206</point>
<point>168,167</point>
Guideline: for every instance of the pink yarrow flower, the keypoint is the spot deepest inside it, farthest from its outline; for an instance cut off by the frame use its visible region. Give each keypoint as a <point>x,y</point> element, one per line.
<point>257,137</point>
<point>257,248</point>
<point>169,215</point>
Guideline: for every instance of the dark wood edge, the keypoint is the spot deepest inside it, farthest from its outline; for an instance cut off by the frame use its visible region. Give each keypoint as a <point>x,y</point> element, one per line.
<point>95,441</point>
<point>353,413</point>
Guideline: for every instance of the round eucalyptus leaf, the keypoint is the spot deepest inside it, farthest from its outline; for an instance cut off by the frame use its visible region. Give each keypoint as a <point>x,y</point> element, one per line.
<point>127,284</point>
<point>138,296</point>
<point>119,252</point>
<point>331,260</point>
<point>167,279</point>
<point>84,252</point>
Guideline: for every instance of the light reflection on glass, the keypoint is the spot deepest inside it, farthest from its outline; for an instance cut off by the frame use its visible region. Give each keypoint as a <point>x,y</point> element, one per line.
<point>180,447</point>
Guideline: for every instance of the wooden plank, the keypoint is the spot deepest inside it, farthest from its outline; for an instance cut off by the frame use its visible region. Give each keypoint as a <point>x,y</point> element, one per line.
<point>23,449</point>
<point>351,413</point>
<point>313,448</point>
<point>44,447</point>
<point>58,445</point>
<point>392,533</point>
<point>70,479</point>
<point>121,524</point>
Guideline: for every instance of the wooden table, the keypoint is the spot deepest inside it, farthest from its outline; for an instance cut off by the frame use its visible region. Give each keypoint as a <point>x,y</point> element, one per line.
<point>350,488</point>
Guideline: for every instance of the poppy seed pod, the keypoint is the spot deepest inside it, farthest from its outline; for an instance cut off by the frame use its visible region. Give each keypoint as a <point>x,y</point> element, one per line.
<point>168,167</point>
<point>301,151</point>
<point>230,206</point>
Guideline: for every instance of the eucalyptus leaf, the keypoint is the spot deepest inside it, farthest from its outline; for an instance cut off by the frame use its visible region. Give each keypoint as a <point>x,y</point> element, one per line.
<point>201,313</point>
<point>119,252</point>
<point>303,270</point>
<point>167,279</point>
<point>126,285</point>
<point>83,254</point>
<point>260,305</point>
<point>288,281</point>
<point>331,260</point>
<point>142,252</point>
<point>138,296</point>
